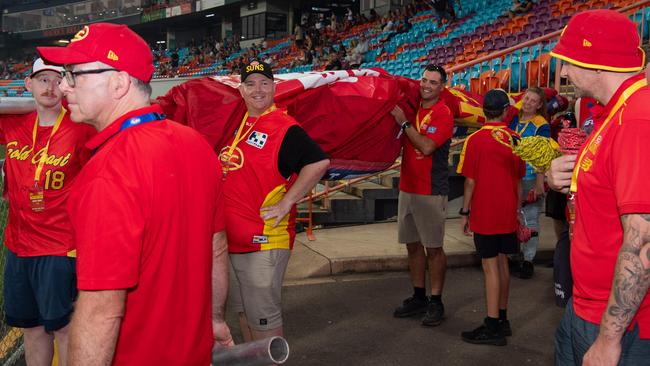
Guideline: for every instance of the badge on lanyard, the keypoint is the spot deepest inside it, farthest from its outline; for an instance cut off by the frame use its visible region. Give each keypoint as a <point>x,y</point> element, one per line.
<point>36,198</point>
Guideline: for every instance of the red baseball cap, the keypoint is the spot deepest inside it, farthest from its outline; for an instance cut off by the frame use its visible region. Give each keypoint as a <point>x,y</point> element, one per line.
<point>113,44</point>
<point>603,40</point>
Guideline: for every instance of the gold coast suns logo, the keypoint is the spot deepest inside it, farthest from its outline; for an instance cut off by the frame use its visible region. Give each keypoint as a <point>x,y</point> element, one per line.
<point>231,161</point>
<point>254,66</point>
<point>83,33</point>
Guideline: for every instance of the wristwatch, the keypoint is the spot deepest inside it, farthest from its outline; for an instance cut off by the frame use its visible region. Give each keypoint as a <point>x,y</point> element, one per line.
<point>463,213</point>
<point>405,125</point>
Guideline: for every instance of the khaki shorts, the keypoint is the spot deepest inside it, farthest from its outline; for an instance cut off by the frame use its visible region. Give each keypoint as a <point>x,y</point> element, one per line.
<point>421,218</point>
<point>256,286</point>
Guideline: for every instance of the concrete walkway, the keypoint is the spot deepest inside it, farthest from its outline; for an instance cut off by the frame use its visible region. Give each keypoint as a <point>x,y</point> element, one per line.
<point>374,247</point>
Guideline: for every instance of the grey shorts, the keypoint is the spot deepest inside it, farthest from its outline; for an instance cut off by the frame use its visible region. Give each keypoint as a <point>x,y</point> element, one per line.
<point>421,218</point>
<point>256,286</point>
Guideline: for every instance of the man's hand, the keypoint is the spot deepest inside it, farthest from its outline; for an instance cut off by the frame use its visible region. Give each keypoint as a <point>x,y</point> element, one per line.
<point>602,353</point>
<point>221,334</point>
<point>464,225</point>
<point>278,211</point>
<point>559,175</point>
<point>399,115</point>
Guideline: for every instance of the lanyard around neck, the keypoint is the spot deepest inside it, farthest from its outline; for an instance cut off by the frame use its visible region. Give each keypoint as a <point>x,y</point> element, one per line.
<point>619,104</point>
<point>426,119</point>
<point>239,136</point>
<point>43,156</point>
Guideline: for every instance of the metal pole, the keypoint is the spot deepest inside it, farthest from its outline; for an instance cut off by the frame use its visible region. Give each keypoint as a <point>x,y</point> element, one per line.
<point>16,105</point>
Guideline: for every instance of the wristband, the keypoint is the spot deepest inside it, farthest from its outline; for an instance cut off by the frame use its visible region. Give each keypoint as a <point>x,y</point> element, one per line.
<point>463,213</point>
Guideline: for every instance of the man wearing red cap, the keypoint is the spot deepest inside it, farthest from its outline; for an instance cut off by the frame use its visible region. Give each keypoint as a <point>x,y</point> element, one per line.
<point>145,210</point>
<point>609,317</point>
<point>45,152</point>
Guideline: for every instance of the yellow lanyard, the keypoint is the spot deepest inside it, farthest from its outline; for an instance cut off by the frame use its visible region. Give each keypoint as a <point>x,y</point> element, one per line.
<point>43,158</point>
<point>419,124</point>
<point>239,137</point>
<point>619,104</point>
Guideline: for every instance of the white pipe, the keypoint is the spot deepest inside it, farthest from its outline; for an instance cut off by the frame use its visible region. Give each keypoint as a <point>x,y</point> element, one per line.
<point>268,351</point>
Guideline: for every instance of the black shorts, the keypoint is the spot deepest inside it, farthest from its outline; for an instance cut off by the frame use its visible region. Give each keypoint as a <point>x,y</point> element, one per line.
<point>489,246</point>
<point>556,205</point>
<point>39,291</point>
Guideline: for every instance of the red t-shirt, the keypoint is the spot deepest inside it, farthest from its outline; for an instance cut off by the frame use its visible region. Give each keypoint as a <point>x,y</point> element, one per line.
<point>48,232</point>
<point>254,181</point>
<point>144,210</point>
<point>488,160</point>
<point>422,174</point>
<point>614,184</point>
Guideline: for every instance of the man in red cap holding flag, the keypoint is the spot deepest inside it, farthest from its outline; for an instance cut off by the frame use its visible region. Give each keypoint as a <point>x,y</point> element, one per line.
<point>608,320</point>
<point>146,212</point>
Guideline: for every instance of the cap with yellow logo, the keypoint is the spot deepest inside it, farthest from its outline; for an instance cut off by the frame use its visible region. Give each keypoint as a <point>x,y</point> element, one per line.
<point>113,44</point>
<point>603,40</point>
<point>256,67</point>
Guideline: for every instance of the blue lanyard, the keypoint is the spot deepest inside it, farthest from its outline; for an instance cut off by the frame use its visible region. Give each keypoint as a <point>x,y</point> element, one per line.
<point>134,121</point>
<point>138,120</point>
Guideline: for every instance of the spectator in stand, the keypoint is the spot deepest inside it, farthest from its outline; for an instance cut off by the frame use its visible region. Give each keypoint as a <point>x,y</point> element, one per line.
<point>298,35</point>
<point>334,63</point>
<point>520,7</point>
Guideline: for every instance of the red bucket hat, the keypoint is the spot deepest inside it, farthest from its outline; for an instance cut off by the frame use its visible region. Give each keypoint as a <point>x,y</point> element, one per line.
<point>603,40</point>
<point>113,44</point>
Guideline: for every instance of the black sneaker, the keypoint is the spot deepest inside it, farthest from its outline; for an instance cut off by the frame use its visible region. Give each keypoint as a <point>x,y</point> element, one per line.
<point>411,306</point>
<point>483,335</point>
<point>504,325</point>
<point>527,269</point>
<point>435,314</point>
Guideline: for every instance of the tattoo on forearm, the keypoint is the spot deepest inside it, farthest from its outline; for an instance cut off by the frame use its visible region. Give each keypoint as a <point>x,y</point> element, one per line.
<point>631,279</point>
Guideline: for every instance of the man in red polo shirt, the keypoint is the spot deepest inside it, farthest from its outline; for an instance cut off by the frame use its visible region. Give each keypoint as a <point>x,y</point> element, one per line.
<point>45,152</point>
<point>268,166</point>
<point>424,186</point>
<point>144,210</point>
<point>609,319</point>
<point>492,193</point>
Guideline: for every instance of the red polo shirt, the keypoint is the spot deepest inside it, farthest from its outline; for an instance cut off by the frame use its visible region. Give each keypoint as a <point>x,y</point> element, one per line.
<point>488,159</point>
<point>144,210</point>
<point>612,182</point>
<point>48,232</point>
<point>422,174</point>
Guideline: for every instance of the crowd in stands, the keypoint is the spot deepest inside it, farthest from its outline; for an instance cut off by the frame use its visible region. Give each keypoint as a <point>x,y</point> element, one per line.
<point>317,41</point>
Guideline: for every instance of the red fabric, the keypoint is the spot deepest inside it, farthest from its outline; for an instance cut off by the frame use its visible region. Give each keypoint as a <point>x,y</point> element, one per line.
<point>113,44</point>
<point>614,185</point>
<point>248,188</point>
<point>415,176</point>
<point>359,140</point>
<point>496,172</point>
<point>143,211</point>
<point>30,233</point>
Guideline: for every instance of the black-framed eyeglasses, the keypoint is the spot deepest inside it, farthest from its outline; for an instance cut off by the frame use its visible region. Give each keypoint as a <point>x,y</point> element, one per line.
<point>70,75</point>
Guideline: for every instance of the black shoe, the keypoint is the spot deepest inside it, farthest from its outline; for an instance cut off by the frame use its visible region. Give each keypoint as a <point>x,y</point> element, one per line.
<point>435,314</point>
<point>411,306</point>
<point>483,335</point>
<point>527,269</point>
<point>504,325</point>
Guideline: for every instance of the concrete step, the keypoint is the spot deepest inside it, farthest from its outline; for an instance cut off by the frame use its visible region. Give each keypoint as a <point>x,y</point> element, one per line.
<point>361,188</point>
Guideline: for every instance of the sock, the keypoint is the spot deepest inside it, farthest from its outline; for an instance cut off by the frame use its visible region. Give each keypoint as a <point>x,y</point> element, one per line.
<point>436,299</point>
<point>492,323</point>
<point>419,293</point>
<point>503,314</point>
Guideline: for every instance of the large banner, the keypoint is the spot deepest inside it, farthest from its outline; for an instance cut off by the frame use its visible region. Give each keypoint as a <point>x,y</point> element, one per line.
<point>346,112</point>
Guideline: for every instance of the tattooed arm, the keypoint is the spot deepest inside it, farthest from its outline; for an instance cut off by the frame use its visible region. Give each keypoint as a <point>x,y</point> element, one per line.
<point>631,279</point>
